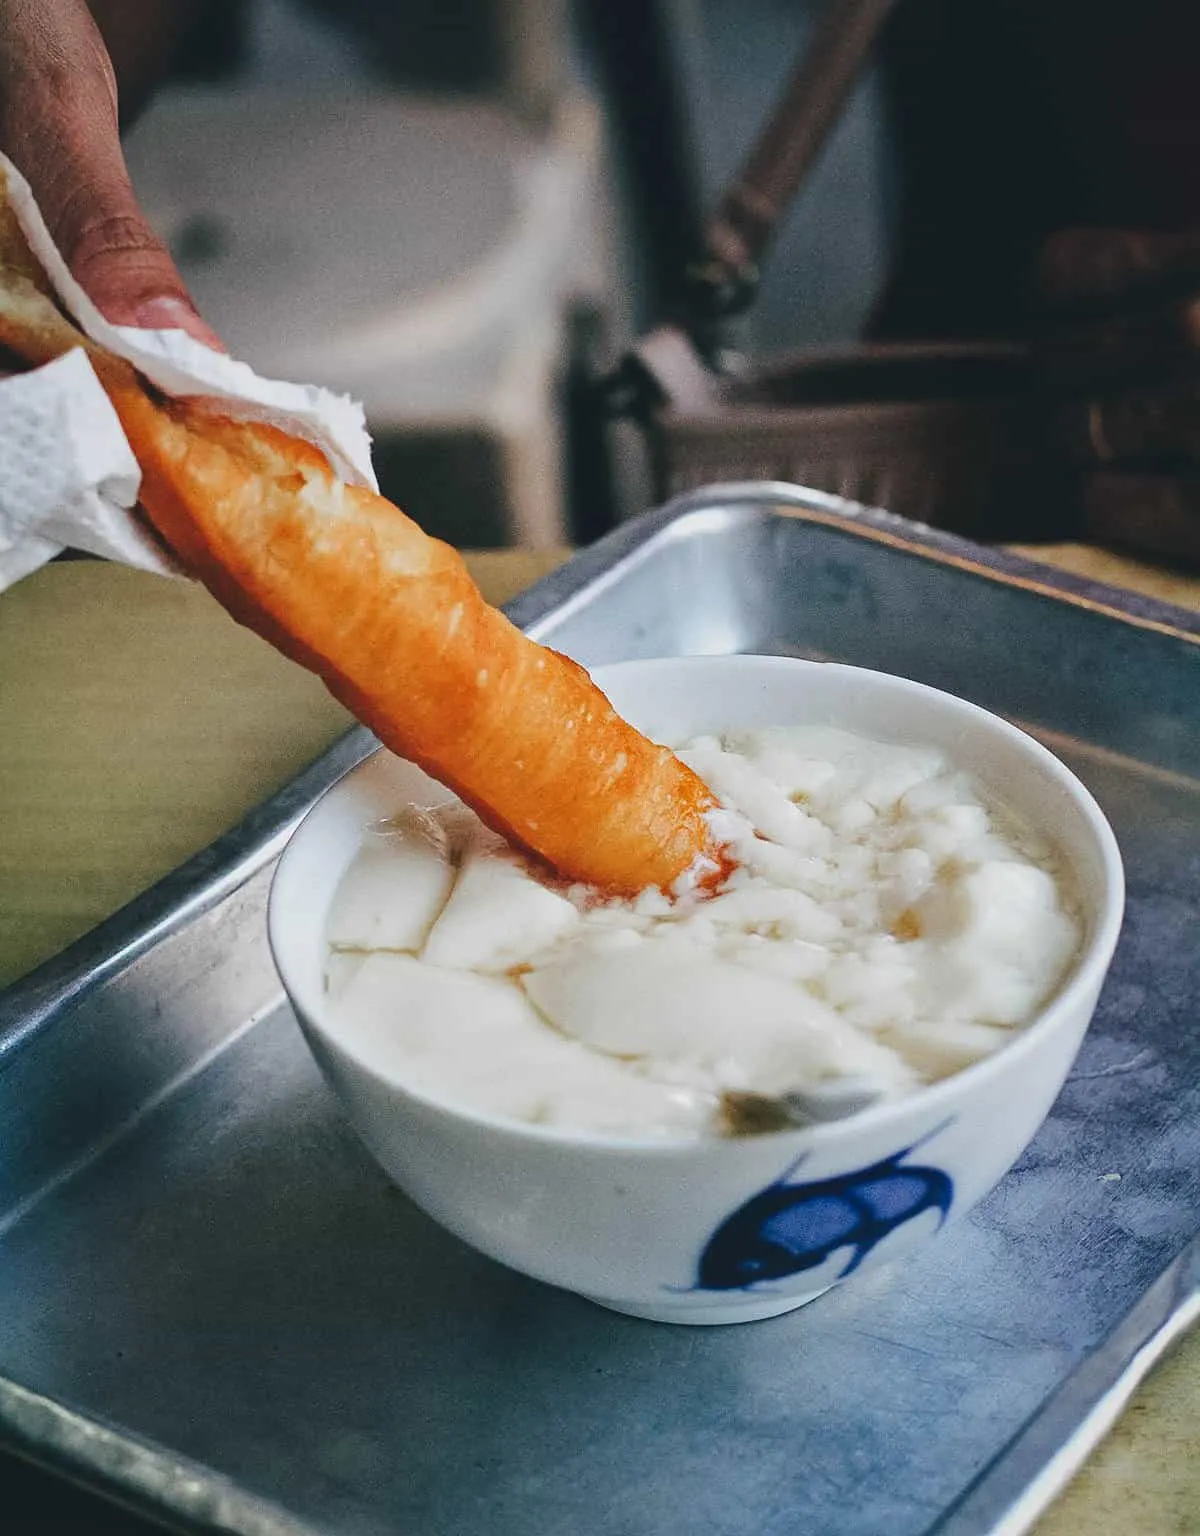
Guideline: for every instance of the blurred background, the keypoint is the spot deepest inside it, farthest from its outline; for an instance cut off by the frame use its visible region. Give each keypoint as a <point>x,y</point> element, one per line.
<point>463,212</point>
<point>450,208</point>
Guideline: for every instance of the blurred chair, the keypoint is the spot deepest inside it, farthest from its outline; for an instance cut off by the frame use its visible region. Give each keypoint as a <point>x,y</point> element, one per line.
<point>424,250</point>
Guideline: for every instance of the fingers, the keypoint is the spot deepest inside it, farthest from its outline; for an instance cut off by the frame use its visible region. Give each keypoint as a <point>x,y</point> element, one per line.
<point>1095,268</point>
<point>114,255</point>
<point>1121,348</point>
<point>1150,424</point>
<point>1118,347</point>
<point>58,124</point>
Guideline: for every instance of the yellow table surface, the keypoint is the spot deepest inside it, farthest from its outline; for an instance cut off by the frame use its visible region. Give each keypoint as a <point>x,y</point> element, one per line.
<point>137,723</point>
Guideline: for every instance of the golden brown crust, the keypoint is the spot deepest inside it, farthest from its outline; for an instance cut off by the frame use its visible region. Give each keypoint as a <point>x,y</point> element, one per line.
<point>343,582</point>
<point>15,256</point>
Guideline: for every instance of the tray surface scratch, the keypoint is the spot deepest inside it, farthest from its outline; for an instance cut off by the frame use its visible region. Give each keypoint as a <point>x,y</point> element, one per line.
<point>216,1307</point>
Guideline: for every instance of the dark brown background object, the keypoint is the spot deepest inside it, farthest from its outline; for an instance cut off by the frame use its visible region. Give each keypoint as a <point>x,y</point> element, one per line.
<point>1042,321</point>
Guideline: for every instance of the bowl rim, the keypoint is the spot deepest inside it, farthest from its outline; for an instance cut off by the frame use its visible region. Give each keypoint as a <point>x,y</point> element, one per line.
<point>1088,969</point>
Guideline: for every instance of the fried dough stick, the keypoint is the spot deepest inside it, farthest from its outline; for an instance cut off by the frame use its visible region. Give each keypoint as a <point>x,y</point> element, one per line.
<point>343,582</point>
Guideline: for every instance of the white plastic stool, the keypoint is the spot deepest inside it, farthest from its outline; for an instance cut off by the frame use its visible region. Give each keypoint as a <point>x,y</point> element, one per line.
<point>420,255</point>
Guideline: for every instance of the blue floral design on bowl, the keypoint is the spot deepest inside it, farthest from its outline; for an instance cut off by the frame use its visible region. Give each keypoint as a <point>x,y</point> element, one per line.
<point>788,1227</point>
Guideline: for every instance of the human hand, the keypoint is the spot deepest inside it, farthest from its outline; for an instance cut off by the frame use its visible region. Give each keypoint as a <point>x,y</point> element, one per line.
<point>59,126</point>
<point>1120,343</point>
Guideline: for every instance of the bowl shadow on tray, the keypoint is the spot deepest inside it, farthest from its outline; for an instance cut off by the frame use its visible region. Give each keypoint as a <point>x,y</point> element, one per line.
<point>235,1278</point>
<point>250,1290</point>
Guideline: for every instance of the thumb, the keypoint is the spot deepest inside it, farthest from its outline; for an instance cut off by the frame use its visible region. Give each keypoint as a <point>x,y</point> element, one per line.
<point>58,124</point>
<point>114,255</point>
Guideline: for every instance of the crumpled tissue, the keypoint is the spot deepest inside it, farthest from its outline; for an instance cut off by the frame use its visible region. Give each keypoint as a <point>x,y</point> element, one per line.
<point>68,478</point>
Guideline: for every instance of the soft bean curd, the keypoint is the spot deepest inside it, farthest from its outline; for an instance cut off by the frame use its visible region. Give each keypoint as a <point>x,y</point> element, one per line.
<point>881,923</point>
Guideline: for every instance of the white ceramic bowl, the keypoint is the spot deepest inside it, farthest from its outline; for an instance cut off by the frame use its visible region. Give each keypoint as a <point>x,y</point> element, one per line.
<point>719,1230</point>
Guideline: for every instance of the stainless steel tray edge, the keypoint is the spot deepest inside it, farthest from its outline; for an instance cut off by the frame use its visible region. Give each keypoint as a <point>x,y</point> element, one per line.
<point>147,1480</point>
<point>1010,1495</point>
<point>602,561</point>
<point>1007,1497</point>
<point>44,1026</point>
<point>176,899</point>
<point>204,879</point>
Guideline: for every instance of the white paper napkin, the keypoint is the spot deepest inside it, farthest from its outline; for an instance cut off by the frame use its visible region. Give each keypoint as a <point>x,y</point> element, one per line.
<point>67,474</point>
<point>68,478</point>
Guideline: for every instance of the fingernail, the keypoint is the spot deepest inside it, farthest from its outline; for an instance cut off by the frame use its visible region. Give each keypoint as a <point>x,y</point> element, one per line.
<point>164,313</point>
<point>167,313</point>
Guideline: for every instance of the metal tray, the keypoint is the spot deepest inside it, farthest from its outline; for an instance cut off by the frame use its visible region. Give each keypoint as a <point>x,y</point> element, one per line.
<point>214,1308</point>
